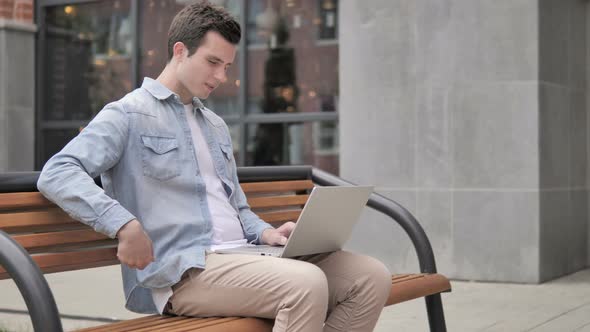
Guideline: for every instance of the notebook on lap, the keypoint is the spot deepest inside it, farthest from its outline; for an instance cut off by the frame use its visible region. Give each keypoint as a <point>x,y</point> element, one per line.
<point>324,225</point>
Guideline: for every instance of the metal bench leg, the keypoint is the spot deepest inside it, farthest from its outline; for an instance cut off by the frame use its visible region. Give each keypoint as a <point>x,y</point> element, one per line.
<point>436,316</point>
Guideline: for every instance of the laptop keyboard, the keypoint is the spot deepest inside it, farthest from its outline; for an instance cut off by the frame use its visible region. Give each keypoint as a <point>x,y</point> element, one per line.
<point>275,251</point>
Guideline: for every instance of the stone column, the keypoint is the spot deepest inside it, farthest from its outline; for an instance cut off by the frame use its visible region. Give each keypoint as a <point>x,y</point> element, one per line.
<point>17,85</point>
<point>563,130</point>
<point>472,114</point>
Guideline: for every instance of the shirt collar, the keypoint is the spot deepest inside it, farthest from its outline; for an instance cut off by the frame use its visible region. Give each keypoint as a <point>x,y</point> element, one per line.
<point>159,91</point>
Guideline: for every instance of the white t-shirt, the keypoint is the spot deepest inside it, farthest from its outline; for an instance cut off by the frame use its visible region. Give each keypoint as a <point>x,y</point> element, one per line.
<point>227,230</point>
<point>226,225</point>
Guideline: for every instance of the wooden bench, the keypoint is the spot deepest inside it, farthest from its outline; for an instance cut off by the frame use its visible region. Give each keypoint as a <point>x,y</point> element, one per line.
<point>47,236</point>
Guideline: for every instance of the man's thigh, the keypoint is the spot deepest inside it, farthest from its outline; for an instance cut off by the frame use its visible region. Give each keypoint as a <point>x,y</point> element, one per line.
<point>242,285</point>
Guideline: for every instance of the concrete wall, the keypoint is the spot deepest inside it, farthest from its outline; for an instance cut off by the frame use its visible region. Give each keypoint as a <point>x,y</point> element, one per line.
<point>17,116</point>
<point>445,107</point>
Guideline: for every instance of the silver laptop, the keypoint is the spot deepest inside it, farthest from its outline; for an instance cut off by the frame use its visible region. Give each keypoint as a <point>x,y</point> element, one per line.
<point>325,223</point>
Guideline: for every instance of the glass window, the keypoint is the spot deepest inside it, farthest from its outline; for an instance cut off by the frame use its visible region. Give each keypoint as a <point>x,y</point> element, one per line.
<point>307,143</point>
<point>234,131</point>
<point>155,19</point>
<point>287,69</point>
<point>292,68</point>
<point>290,71</point>
<point>88,58</point>
<point>327,21</point>
<point>55,140</point>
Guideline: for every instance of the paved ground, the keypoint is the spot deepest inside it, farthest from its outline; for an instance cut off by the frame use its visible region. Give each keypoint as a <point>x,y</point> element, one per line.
<point>561,305</point>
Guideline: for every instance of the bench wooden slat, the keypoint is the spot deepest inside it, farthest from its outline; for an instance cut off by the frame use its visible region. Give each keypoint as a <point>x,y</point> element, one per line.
<point>407,277</point>
<point>72,259</point>
<point>165,325</point>
<point>399,276</point>
<point>182,324</point>
<point>276,186</point>
<point>414,286</point>
<point>189,324</point>
<point>68,261</point>
<point>15,201</point>
<point>44,228</point>
<point>280,216</point>
<point>277,201</point>
<point>32,219</point>
<point>119,326</point>
<point>65,268</point>
<point>55,239</point>
<point>137,323</point>
<point>130,325</point>
<point>81,266</point>
<point>240,324</point>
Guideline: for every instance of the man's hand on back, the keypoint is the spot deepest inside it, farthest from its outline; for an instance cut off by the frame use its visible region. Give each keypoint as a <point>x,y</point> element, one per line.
<point>278,236</point>
<point>135,247</point>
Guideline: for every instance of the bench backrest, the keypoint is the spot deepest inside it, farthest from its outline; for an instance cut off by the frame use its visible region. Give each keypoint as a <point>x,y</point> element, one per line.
<point>58,243</point>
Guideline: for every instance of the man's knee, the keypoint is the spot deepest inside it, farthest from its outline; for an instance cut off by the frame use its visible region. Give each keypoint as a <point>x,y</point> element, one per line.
<point>378,277</point>
<point>311,285</point>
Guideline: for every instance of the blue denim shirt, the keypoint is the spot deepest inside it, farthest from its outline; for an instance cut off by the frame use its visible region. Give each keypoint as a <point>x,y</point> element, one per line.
<point>142,148</point>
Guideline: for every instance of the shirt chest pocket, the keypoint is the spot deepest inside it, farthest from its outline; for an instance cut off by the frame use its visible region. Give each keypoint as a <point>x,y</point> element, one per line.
<point>160,157</point>
<point>227,152</point>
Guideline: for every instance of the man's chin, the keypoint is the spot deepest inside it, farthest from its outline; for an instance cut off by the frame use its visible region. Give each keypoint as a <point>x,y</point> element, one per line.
<point>203,96</point>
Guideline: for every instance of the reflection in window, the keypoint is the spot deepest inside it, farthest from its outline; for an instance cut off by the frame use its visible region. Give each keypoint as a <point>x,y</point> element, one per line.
<point>290,72</point>
<point>307,143</point>
<point>55,140</point>
<point>234,131</point>
<point>154,20</point>
<point>287,69</point>
<point>325,136</point>
<point>87,64</point>
<point>327,22</point>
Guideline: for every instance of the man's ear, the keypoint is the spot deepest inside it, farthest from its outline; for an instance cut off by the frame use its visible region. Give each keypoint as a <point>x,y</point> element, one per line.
<point>178,50</point>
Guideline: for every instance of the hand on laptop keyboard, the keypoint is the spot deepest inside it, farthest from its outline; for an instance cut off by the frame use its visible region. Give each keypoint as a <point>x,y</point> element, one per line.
<point>278,236</point>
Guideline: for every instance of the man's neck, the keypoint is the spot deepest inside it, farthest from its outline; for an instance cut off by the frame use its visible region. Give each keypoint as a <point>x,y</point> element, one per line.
<point>168,79</point>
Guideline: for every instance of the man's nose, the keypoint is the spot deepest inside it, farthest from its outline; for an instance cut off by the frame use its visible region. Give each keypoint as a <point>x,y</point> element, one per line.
<point>221,76</point>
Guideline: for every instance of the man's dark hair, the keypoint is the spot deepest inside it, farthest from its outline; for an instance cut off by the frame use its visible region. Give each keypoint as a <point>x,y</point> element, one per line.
<point>191,24</point>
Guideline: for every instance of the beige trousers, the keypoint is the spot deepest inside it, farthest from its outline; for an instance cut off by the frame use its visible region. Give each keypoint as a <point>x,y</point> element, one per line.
<point>338,291</point>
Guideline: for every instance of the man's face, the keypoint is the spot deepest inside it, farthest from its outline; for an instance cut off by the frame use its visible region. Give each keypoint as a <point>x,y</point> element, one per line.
<point>202,72</point>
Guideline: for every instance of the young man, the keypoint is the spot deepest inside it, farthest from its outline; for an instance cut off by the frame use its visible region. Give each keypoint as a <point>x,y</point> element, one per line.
<point>171,193</point>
